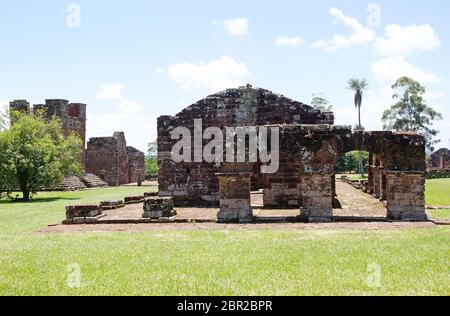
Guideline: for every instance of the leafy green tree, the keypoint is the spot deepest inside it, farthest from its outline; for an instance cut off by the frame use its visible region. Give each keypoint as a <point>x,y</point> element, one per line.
<point>359,86</point>
<point>151,161</point>
<point>319,102</point>
<point>411,113</point>
<point>151,167</point>
<point>350,162</point>
<point>34,154</point>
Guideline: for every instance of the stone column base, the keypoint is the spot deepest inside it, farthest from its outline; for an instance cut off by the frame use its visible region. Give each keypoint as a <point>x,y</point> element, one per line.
<point>317,196</point>
<point>235,204</point>
<point>406,196</point>
<point>320,215</point>
<point>234,216</point>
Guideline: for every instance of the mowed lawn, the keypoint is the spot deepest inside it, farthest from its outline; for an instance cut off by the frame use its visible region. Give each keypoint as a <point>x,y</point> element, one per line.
<point>438,192</point>
<point>265,262</point>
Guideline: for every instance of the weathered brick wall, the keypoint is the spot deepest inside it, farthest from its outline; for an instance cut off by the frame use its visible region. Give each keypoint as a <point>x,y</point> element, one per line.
<point>445,162</point>
<point>20,105</point>
<point>196,183</point>
<point>102,159</point>
<point>122,157</point>
<point>136,164</point>
<point>398,170</point>
<point>439,160</point>
<point>283,189</point>
<point>110,159</point>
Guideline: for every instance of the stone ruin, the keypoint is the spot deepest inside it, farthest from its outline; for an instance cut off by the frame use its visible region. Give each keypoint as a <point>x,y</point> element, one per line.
<point>113,161</point>
<point>196,184</point>
<point>310,146</point>
<point>71,115</point>
<point>106,160</point>
<point>439,160</point>
<point>154,209</point>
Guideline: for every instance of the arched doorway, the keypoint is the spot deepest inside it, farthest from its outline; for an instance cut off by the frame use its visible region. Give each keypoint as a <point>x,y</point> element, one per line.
<point>359,196</point>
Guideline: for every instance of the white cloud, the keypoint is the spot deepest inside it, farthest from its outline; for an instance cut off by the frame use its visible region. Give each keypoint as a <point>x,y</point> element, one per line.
<point>392,68</point>
<point>127,116</point>
<point>400,40</point>
<point>215,75</point>
<point>236,27</point>
<point>110,92</point>
<point>289,41</point>
<point>361,35</point>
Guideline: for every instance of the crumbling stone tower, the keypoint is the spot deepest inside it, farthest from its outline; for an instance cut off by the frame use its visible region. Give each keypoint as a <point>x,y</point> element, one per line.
<point>71,115</point>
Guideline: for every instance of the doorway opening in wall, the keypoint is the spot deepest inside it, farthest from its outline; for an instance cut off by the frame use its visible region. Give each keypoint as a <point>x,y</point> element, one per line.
<point>359,189</point>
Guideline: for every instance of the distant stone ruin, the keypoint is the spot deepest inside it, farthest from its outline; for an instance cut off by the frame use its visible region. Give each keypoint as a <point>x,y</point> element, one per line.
<point>113,161</point>
<point>71,115</point>
<point>440,160</point>
<point>107,160</point>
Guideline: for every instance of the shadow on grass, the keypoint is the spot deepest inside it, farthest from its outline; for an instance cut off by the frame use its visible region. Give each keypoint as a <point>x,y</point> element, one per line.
<point>37,200</point>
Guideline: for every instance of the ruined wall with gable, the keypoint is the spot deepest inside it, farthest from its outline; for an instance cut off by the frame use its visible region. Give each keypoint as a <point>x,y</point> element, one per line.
<point>196,183</point>
<point>110,159</point>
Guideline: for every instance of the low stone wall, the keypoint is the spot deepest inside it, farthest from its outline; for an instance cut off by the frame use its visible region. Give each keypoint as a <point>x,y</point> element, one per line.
<point>92,181</point>
<point>154,207</point>
<point>111,205</point>
<point>71,183</point>
<point>82,214</point>
<point>157,207</point>
<point>151,194</point>
<point>134,199</point>
<point>362,185</point>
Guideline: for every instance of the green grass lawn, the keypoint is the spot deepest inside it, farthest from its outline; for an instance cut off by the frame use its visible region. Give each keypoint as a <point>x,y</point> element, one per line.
<point>441,214</point>
<point>265,262</point>
<point>438,192</point>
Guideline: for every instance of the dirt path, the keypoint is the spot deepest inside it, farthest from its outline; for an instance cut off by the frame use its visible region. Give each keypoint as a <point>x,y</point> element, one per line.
<point>356,203</point>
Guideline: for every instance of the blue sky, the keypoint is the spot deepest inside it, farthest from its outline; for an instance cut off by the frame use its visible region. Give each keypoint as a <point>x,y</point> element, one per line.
<point>132,61</point>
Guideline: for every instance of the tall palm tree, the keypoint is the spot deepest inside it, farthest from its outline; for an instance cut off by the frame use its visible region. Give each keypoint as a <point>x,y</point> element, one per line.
<point>359,86</point>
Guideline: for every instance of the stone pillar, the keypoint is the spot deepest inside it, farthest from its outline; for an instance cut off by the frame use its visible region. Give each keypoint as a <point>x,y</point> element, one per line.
<point>405,195</point>
<point>376,182</point>
<point>317,196</point>
<point>383,184</point>
<point>370,173</point>
<point>235,204</point>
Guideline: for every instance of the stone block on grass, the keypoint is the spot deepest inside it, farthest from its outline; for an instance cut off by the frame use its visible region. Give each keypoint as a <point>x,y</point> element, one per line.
<point>82,211</point>
<point>157,207</point>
